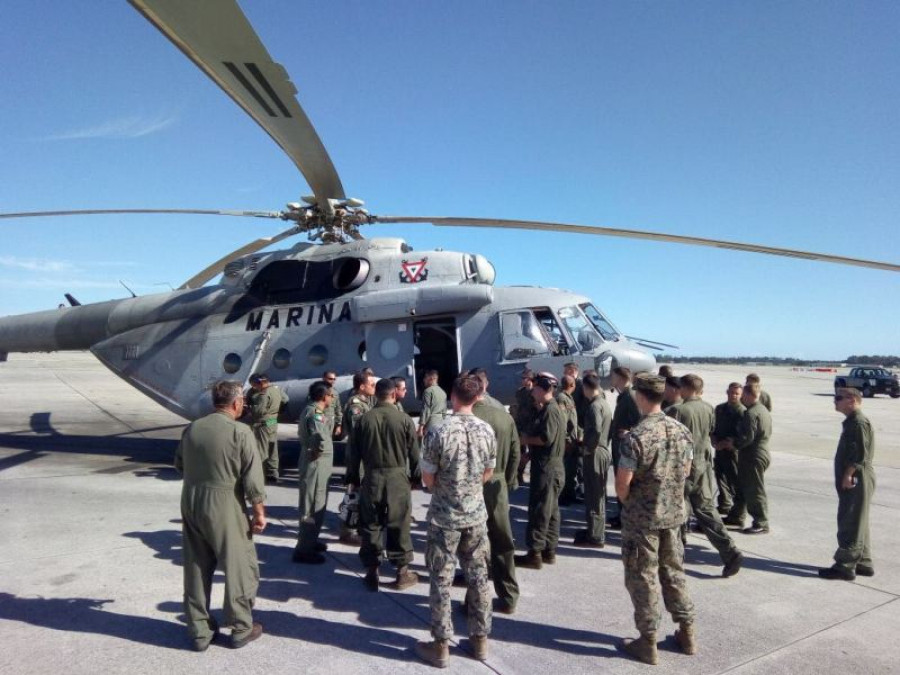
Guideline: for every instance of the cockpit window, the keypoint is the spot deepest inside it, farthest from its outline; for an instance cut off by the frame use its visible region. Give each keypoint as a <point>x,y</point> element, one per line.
<point>580,328</point>
<point>600,322</point>
<point>523,336</point>
<point>559,344</point>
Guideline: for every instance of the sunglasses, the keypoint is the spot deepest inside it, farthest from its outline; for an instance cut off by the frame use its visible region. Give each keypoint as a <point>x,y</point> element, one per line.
<point>839,398</point>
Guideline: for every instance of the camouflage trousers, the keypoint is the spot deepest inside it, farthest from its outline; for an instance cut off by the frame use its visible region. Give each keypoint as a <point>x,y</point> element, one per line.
<point>646,555</point>
<point>472,547</point>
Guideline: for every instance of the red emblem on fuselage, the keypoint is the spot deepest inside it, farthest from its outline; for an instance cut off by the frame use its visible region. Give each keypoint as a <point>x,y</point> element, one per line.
<point>412,272</point>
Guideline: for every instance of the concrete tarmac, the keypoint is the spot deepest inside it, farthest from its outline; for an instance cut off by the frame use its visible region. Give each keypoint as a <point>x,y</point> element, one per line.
<point>91,547</point>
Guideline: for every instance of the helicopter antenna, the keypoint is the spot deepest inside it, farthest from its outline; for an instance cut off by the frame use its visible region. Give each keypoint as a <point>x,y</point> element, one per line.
<point>133,294</point>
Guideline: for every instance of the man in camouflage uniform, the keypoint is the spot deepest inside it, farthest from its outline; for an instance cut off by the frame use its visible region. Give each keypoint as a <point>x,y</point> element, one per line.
<point>358,405</point>
<point>264,401</point>
<point>548,444</point>
<point>459,458</point>
<point>596,458</point>
<point>728,415</point>
<point>496,500</point>
<point>219,460</point>
<point>434,404</point>
<point>764,397</point>
<point>656,457</point>
<point>314,471</point>
<point>625,416</point>
<point>698,416</point>
<point>854,479</point>
<point>386,438</point>
<point>572,458</point>
<point>752,445</point>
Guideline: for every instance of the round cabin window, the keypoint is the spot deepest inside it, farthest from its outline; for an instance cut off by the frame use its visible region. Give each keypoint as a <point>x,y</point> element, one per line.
<point>281,359</point>
<point>389,349</point>
<point>232,363</point>
<point>318,355</point>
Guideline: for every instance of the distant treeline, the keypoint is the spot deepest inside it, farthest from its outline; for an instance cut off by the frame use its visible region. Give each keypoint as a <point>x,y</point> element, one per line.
<point>855,359</point>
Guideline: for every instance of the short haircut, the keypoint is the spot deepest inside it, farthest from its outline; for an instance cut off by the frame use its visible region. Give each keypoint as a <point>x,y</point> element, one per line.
<point>567,381</point>
<point>591,381</point>
<point>589,371</point>
<point>318,390</point>
<point>467,388</point>
<point>753,377</point>
<point>224,392</point>
<point>329,372</point>
<point>480,373</point>
<point>542,381</point>
<point>735,385</point>
<point>360,378</point>
<point>651,396</point>
<point>397,380</point>
<point>623,372</point>
<point>850,392</point>
<point>368,371</point>
<point>753,388</point>
<point>672,381</point>
<point>429,374</point>
<point>666,371</point>
<point>692,382</point>
<point>384,388</point>
<point>571,365</point>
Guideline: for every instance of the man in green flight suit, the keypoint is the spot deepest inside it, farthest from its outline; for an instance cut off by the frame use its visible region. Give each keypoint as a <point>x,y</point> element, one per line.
<point>265,400</point>
<point>434,404</point>
<point>315,430</point>
<point>596,458</point>
<point>548,444</point>
<point>481,374</point>
<point>728,415</point>
<point>752,445</point>
<point>656,458</point>
<point>388,444</point>
<point>358,404</point>
<point>524,415</point>
<point>699,417</point>
<point>219,460</point>
<point>572,457</point>
<point>329,377</point>
<point>854,479</point>
<point>496,500</point>
<point>764,396</point>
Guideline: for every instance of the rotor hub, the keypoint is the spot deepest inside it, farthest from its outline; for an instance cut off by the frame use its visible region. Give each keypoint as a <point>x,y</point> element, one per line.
<point>336,222</point>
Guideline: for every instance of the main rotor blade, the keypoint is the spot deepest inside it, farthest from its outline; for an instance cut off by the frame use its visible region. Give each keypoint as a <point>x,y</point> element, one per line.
<point>216,268</point>
<point>107,212</point>
<point>637,234</point>
<point>217,37</point>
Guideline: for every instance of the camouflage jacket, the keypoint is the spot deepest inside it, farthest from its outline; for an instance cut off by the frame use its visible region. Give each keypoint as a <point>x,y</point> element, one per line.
<point>458,453</point>
<point>315,430</point>
<point>657,450</point>
<point>434,407</point>
<point>567,405</point>
<point>856,447</point>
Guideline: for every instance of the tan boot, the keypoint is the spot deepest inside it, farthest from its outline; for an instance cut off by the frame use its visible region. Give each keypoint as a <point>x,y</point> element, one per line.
<point>406,578</point>
<point>436,652</point>
<point>479,646</point>
<point>685,638</point>
<point>643,648</point>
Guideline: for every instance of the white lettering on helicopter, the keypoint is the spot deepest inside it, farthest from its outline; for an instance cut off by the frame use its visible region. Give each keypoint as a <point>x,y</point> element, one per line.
<point>293,315</point>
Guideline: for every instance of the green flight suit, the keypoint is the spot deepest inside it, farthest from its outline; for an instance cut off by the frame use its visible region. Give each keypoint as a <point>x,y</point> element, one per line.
<point>219,460</point>
<point>625,416</point>
<point>496,500</point>
<point>264,407</point>
<point>725,464</point>
<point>357,406</point>
<point>434,407</point>
<point>856,448</point>
<point>547,474</point>
<point>765,399</point>
<point>388,444</point>
<point>571,458</point>
<point>596,456</point>
<point>699,417</point>
<point>490,400</point>
<point>315,430</point>
<point>752,443</point>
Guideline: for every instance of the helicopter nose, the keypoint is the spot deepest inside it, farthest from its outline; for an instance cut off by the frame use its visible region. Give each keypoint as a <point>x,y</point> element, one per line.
<point>638,360</point>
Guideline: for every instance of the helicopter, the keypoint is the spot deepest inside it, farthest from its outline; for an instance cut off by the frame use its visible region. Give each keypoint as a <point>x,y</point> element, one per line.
<point>338,301</point>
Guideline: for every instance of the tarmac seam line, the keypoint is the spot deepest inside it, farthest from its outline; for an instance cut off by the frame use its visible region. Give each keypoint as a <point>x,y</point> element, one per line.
<point>806,637</point>
<point>821,494</point>
<point>98,406</point>
<point>67,554</point>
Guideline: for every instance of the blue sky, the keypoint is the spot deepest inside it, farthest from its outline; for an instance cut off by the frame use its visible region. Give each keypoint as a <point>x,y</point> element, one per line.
<point>767,122</point>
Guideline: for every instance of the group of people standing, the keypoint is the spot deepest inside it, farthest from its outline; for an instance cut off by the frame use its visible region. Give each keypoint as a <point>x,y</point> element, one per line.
<point>470,455</point>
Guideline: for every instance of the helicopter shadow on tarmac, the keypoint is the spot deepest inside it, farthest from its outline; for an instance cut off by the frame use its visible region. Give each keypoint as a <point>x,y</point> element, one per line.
<point>155,455</point>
